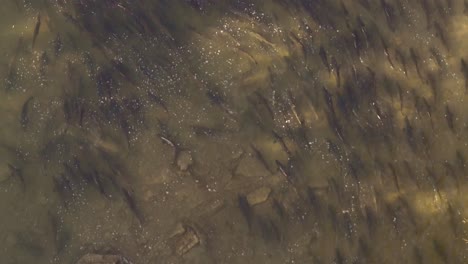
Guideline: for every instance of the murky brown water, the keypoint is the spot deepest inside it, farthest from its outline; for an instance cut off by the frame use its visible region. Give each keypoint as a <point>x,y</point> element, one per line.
<point>234,131</point>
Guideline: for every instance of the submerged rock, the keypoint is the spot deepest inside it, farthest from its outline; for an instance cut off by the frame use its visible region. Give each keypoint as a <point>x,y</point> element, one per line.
<point>258,196</point>
<point>186,239</point>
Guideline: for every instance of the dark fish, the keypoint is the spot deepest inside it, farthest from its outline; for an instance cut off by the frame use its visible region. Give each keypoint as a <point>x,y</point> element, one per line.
<point>17,173</point>
<point>12,70</point>
<point>269,229</point>
<point>357,44</point>
<point>260,157</point>
<point>417,255</point>
<point>24,119</point>
<point>279,209</point>
<point>203,131</point>
<point>124,71</point>
<point>323,56</point>
<point>339,259</point>
<point>43,63</point>
<point>441,250</point>
<point>292,102</point>
<point>36,29</point>
<point>395,176</point>
<point>464,69</point>
<point>410,172</point>
<point>461,161</point>
<point>281,141</point>
<point>439,59</point>
<point>434,181</point>
<point>284,171</point>
<point>216,99</point>
<point>440,33</point>
<point>432,83</point>
<point>389,14</point>
<point>428,10</point>
<point>336,69</point>
<point>365,4</point>
<point>265,103</point>
<point>400,95</point>
<point>372,220</point>
<point>409,134</point>
<point>449,117</point>
<point>362,27</point>
<point>454,219</point>
<point>415,59</point>
<point>402,60</point>
<point>245,208</point>
<point>387,55</point>
<point>64,187</point>
<point>58,45</point>
<point>97,180</point>
<point>130,200</point>
<point>329,101</point>
<point>157,99</point>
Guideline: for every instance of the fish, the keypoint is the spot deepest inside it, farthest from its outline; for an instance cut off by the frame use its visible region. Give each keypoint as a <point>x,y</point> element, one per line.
<point>389,14</point>
<point>58,45</point>
<point>461,161</point>
<point>439,59</point>
<point>281,141</point>
<point>17,173</point>
<point>157,99</point>
<point>245,208</point>
<point>417,255</point>
<point>400,96</point>
<point>336,69</point>
<point>357,44</point>
<point>265,103</point>
<point>339,259</point>
<point>440,33</point>
<point>323,57</point>
<point>387,54</point>
<point>130,200</point>
<point>408,129</point>
<point>464,69</point>
<point>284,171</point>
<point>329,100</point>
<point>216,99</point>
<point>441,250</point>
<point>395,176</point>
<point>12,70</point>
<point>260,157</point>
<point>292,102</point>
<point>36,30</point>
<point>124,71</point>
<point>362,27</point>
<point>449,117</point>
<point>24,119</point>
<point>402,60</point>
<point>415,59</point>
<point>268,228</point>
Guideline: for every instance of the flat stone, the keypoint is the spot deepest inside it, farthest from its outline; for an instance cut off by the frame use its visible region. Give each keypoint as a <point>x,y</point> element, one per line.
<point>186,241</point>
<point>258,196</point>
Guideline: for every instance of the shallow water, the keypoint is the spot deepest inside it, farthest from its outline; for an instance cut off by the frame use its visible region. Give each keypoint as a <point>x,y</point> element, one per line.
<point>234,131</point>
